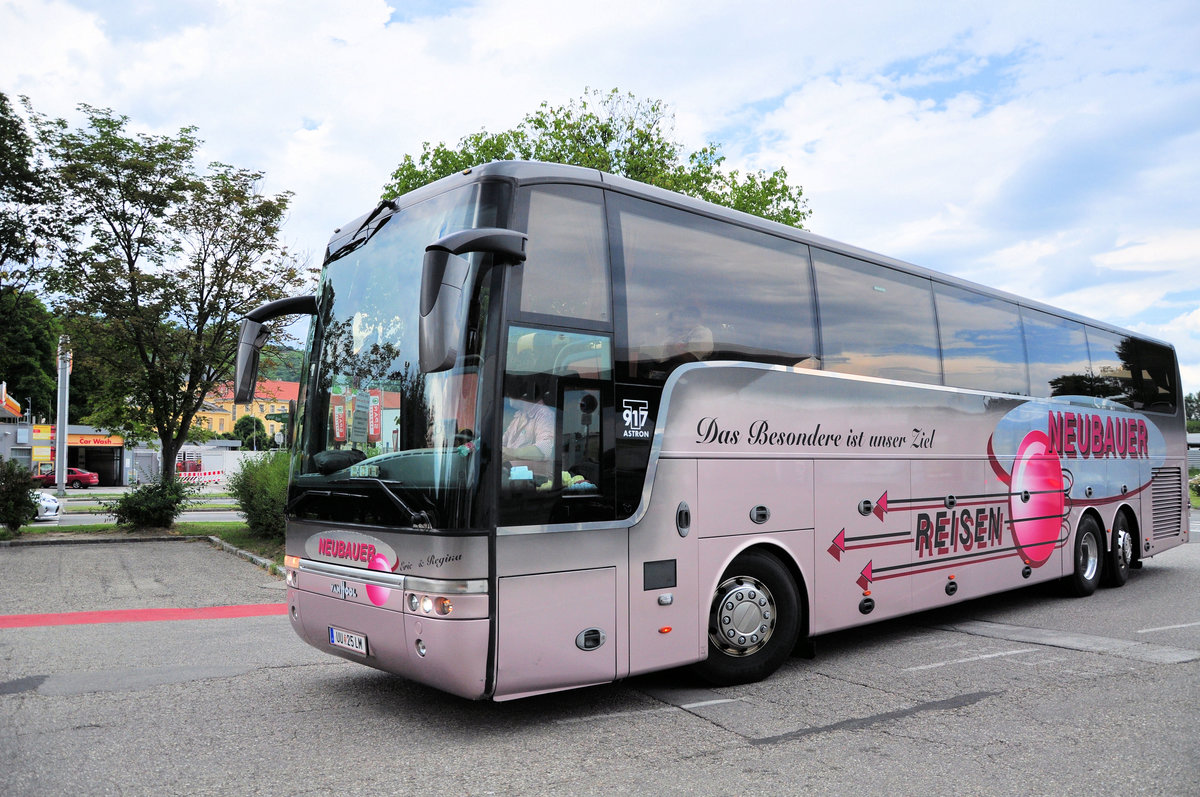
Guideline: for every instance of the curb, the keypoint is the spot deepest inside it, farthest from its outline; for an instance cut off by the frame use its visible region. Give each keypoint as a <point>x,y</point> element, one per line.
<point>216,542</point>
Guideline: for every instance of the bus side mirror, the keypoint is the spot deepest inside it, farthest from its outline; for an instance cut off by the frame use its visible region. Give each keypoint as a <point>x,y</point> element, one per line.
<point>443,283</point>
<point>253,337</point>
<point>250,343</point>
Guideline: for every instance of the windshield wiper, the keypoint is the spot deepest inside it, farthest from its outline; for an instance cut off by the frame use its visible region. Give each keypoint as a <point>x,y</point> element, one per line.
<point>418,519</point>
<point>355,242</point>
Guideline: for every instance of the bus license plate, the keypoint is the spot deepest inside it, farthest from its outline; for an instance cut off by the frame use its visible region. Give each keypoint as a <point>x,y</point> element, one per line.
<point>344,639</point>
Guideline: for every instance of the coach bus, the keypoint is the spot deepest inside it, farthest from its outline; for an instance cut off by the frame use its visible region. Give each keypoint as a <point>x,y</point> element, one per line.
<point>557,428</point>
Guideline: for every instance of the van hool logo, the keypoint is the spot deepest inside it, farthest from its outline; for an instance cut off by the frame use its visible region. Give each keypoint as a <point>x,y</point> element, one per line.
<point>635,413</point>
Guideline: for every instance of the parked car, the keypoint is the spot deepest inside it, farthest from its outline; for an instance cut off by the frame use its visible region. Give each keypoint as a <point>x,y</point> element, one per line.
<point>76,477</point>
<point>47,506</point>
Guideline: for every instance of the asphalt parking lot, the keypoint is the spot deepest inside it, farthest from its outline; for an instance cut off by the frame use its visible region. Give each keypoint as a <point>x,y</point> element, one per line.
<point>1027,692</point>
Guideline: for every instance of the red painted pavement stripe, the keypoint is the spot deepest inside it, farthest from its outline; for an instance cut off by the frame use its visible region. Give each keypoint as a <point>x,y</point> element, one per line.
<point>141,615</point>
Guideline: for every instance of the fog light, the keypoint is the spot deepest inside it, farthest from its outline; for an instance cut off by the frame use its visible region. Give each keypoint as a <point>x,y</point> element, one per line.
<point>426,604</point>
<point>443,605</point>
<point>292,578</point>
<point>421,648</point>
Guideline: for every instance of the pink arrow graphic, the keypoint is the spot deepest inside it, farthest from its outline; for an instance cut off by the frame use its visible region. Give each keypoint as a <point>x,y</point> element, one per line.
<point>881,507</point>
<point>839,545</point>
<point>865,577</point>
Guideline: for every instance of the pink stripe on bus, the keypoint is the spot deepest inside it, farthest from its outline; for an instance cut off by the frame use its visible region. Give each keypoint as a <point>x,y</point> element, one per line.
<point>142,615</point>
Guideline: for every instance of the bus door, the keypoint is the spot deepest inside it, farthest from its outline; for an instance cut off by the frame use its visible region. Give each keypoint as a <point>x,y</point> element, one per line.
<point>561,559</point>
<point>664,621</point>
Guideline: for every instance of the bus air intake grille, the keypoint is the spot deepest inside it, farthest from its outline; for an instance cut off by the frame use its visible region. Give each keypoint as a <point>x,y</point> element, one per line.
<point>1165,489</point>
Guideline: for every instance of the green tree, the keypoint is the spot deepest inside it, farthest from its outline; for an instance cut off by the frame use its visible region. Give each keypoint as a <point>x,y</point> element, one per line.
<point>615,133</point>
<point>166,262</point>
<point>253,434</point>
<point>1191,406</point>
<point>28,351</point>
<point>31,229</point>
<point>31,219</point>
<point>17,504</point>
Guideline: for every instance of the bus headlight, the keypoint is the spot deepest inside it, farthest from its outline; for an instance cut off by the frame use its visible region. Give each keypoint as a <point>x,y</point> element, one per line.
<point>426,604</point>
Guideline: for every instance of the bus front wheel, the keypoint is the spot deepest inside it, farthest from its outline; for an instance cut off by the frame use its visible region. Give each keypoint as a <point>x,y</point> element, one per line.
<point>753,622</point>
<point>1089,551</point>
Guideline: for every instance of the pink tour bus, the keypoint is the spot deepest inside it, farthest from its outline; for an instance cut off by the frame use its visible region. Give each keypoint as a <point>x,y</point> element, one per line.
<point>558,428</point>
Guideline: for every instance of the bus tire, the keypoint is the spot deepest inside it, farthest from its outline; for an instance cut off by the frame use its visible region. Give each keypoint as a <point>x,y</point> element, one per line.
<point>1089,555</point>
<point>753,622</point>
<point>1120,555</point>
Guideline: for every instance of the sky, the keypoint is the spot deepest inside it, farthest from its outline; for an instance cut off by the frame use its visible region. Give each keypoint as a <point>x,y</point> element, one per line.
<point>1050,149</point>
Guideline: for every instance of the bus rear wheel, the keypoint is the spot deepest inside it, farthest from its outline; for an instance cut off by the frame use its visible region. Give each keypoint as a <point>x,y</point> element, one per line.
<point>1120,555</point>
<point>753,622</point>
<point>1089,552</point>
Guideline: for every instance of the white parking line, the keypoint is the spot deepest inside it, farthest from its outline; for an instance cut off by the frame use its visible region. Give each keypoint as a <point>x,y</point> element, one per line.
<point>615,715</point>
<point>935,665</point>
<point>702,703</point>
<point>1167,627</point>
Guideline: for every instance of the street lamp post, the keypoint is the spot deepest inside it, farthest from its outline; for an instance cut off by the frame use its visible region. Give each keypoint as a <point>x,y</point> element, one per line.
<point>60,434</point>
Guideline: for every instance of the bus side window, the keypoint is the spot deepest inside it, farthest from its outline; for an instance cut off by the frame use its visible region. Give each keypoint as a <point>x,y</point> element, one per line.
<point>1059,364</point>
<point>565,274</point>
<point>556,448</point>
<point>1157,387</point>
<point>900,340</point>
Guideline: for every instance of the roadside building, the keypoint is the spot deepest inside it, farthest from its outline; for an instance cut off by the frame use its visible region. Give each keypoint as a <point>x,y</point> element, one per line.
<point>271,399</point>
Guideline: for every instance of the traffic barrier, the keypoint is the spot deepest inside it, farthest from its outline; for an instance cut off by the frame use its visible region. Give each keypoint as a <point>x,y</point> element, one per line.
<point>201,476</point>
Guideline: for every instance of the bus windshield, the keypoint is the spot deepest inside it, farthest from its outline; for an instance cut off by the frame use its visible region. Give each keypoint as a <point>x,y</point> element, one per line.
<point>380,442</point>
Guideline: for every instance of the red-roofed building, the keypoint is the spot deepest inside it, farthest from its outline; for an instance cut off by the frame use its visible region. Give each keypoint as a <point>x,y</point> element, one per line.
<point>269,397</point>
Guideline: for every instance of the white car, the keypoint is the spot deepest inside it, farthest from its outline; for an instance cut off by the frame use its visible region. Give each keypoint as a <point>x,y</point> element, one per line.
<point>47,506</point>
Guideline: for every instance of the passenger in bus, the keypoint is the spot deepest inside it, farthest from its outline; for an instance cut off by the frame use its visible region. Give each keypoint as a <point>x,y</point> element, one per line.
<point>690,338</point>
<point>529,438</point>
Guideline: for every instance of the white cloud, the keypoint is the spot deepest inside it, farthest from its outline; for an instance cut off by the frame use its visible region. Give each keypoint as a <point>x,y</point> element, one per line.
<point>1050,149</point>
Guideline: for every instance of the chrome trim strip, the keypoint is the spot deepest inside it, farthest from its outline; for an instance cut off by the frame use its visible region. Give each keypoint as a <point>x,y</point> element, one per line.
<point>390,580</point>
<point>473,586</point>
<point>394,581</point>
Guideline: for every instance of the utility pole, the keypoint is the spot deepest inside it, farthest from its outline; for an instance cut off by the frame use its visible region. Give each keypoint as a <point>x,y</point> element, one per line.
<point>60,429</point>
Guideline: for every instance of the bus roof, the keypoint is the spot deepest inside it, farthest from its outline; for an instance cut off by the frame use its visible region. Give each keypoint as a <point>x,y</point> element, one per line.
<point>522,173</point>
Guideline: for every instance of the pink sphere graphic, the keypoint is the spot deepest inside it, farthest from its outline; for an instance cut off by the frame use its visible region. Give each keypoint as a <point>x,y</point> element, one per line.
<point>376,594</point>
<point>1036,501</point>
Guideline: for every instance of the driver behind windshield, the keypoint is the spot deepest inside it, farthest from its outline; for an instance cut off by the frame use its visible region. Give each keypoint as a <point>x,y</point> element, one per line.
<point>529,438</point>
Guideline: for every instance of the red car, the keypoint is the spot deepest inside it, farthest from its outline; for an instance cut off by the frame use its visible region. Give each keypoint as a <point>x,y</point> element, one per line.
<point>76,477</point>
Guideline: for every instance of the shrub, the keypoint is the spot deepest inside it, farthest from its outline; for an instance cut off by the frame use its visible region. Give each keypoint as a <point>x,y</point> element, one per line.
<point>260,487</point>
<point>153,505</point>
<point>17,504</point>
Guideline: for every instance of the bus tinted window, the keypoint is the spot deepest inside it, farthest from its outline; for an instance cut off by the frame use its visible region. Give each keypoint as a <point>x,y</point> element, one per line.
<point>982,347</point>
<point>875,321</point>
<point>1157,387</point>
<point>565,273</point>
<point>1113,366</point>
<point>699,289</point>
<point>1058,355</point>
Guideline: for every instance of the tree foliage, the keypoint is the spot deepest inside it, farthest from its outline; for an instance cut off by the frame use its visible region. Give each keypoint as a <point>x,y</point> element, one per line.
<point>260,487</point>
<point>31,229</point>
<point>253,434</point>
<point>616,133</point>
<point>32,226</point>
<point>164,262</point>
<point>17,504</point>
